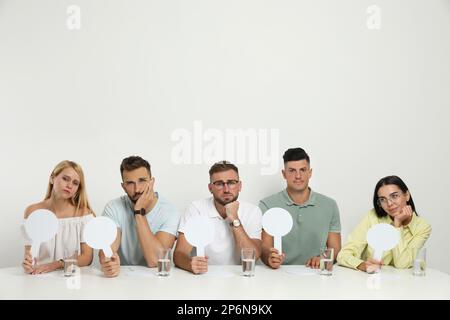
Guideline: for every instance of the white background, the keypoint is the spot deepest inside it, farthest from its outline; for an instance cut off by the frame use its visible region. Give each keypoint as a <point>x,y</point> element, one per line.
<point>363,103</point>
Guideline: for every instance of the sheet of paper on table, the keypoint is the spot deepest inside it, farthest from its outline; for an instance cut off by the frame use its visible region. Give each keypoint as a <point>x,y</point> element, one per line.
<point>138,271</point>
<point>218,272</point>
<point>301,271</point>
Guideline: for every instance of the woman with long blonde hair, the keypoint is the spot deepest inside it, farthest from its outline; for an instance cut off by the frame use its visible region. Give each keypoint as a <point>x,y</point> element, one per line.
<point>66,198</point>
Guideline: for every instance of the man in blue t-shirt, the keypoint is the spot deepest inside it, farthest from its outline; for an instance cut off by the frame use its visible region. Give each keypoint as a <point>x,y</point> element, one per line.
<point>146,222</point>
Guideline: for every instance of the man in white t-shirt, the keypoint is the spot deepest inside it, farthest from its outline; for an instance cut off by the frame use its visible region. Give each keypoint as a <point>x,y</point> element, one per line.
<point>237,224</point>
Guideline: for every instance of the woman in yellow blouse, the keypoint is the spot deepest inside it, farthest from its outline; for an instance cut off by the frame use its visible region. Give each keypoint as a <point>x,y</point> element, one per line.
<point>393,204</point>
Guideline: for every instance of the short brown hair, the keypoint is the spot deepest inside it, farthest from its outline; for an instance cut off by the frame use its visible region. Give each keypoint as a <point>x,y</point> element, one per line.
<point>133,163</point>
<point>222,166</point>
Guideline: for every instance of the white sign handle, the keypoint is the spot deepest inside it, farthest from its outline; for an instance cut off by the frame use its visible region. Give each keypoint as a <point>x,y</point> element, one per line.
<point>35,251</point>
<point>277,243</point>
<point>200,251</point>
<point>108,252</point>
<point>378,254</point>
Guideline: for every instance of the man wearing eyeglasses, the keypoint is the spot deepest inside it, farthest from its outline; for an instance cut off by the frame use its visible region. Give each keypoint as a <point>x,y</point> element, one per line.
<point>237,223</point>
<point>316,222</point>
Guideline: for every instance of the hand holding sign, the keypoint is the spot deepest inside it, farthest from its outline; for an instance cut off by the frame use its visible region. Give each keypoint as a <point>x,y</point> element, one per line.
<point>199,232</point>
<point>277,222</point>
<point>100,233</point>
<point>40,226</point>
<point>382,237</point>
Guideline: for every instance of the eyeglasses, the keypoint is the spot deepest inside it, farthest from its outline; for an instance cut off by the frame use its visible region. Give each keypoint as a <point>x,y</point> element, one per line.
<point>393,197</point>
<point>221,184</point>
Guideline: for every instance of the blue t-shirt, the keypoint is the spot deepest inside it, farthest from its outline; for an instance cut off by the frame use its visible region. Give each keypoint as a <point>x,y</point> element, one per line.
<point>164,217</point>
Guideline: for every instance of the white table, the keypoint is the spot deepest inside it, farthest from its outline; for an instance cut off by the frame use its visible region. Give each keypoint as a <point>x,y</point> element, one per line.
<point>225,282</point>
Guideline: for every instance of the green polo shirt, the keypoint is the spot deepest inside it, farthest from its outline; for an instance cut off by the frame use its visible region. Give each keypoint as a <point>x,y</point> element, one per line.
<point>313,220</point>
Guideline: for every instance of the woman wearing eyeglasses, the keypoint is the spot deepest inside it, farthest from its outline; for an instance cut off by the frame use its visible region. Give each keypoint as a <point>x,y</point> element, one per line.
<point>393,204</point>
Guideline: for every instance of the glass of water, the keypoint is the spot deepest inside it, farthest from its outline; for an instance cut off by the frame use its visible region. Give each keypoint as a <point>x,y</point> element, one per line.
<point>248,257</point>
<point>70,263</point>
<point>420,262</point>
<point>164,260</point>
<point>326,261</point>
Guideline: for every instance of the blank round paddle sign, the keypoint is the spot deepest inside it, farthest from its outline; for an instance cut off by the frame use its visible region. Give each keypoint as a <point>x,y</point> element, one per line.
<point>100,233</point>
<point>277,222</point>
<point>199,232</point>
<point>382,237</point>
<point>40,226</point>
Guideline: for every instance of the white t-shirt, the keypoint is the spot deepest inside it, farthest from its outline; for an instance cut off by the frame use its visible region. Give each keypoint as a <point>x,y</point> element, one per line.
<point>223,250</point>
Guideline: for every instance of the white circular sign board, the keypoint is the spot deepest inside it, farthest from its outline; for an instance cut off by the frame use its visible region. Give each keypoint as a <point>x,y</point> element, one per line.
<point>40,226</point>
<point>277,222</point>
<point>100,233</point>
<point>199,232</point>
<point>382,237</point>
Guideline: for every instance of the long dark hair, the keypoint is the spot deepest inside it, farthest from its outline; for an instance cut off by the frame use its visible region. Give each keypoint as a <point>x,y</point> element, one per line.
<point>386,181</point>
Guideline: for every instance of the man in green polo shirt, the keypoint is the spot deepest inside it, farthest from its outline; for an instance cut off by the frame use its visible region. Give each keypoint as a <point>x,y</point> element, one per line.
<point>315,216</point>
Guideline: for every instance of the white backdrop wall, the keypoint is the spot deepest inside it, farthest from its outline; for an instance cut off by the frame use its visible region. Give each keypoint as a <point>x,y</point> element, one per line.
<point>363,86</point>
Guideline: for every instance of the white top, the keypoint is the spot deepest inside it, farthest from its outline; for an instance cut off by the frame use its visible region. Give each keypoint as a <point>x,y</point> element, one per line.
<point>226,282</point>
<point>69,237</point>
<point>223,250</point>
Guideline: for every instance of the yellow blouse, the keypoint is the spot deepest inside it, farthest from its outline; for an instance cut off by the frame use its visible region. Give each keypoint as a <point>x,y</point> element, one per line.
<point>412,237</point>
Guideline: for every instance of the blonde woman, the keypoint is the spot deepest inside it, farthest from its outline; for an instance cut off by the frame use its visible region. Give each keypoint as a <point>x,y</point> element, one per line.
<point>66,198</point>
